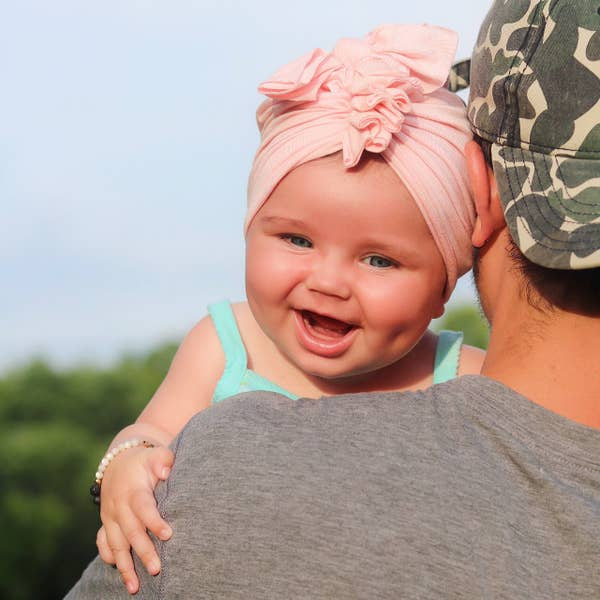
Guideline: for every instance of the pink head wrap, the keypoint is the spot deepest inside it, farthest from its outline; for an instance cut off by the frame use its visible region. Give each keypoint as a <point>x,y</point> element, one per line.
<point>383,94</point>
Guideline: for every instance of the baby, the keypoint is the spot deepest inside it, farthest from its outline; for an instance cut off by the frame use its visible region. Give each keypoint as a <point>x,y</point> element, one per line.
<point>358,226</point>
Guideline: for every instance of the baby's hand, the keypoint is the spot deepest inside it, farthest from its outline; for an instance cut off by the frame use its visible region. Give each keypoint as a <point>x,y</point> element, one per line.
<point>128,508</point>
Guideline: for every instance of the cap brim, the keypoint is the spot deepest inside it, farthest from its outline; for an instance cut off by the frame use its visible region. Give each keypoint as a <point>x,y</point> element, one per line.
<point>551,205</point>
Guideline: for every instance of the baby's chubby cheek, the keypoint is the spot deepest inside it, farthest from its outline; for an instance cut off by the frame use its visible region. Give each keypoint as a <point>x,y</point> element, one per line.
<point>410,303</point>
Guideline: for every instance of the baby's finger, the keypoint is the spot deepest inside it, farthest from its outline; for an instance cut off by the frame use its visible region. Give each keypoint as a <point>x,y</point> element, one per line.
<point>161,462</point>
<point>144,507</point>
<point>121,551</point>
<point>103,548</point>
<point>140,542</point>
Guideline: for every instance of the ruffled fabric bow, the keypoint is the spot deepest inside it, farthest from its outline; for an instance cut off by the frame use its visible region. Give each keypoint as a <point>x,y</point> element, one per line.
<point>384,94</point>
<point>370,83</point>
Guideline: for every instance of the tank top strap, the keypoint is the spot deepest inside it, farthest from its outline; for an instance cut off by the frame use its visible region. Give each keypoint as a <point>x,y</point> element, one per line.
<point>236,359</point>
<point>447,356</point>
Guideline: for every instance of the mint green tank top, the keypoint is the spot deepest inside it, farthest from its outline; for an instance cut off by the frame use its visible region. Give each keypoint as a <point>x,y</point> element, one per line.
<point>237,378</point>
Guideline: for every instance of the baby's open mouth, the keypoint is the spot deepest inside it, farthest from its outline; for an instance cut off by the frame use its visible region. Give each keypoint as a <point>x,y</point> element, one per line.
<point>324,336</point>
<point>323,326</point>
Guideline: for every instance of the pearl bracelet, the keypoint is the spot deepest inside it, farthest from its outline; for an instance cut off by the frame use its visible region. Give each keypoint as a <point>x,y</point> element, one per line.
<point>107,459</point>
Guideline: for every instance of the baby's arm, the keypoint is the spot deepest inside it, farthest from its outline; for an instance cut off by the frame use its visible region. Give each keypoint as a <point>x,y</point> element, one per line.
<point>127,505</point>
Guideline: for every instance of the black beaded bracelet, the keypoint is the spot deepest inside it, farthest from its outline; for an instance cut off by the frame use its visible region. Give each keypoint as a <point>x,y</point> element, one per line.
<point>95,492</point>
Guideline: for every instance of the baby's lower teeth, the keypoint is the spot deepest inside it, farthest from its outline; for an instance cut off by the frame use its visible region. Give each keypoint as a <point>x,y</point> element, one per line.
<point>328,330</point>
<point>326,327</point>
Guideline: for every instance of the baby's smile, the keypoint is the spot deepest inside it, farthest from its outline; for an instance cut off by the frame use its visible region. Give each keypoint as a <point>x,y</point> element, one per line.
<point>323,326</point>
<point>323,335</point>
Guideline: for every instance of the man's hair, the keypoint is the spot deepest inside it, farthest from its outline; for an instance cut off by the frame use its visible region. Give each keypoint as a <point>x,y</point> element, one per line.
<point>545,288</point>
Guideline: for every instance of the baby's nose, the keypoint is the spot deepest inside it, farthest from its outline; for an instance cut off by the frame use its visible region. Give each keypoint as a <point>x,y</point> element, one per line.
<point>330,277</point>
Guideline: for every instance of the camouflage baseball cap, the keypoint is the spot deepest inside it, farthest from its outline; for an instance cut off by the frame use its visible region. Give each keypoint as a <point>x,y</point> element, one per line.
<point>535,95</point>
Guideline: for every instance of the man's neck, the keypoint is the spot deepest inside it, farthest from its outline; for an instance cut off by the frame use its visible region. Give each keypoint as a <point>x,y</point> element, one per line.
<point>550,358</point>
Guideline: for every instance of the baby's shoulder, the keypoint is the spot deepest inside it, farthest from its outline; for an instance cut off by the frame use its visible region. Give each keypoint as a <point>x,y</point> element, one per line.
<point>202,333</point>
<point>471,360</point>
<point>201,346</point>
<point>192,377</point>
<point>205,334</point>
<point>205,330</point>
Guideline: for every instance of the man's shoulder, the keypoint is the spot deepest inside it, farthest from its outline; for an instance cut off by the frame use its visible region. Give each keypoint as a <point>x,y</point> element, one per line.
<point>370,417</point>
<point>260,407</point>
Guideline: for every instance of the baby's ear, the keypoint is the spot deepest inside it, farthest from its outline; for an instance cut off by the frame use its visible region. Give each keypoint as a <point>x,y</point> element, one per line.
<point>490,216</point>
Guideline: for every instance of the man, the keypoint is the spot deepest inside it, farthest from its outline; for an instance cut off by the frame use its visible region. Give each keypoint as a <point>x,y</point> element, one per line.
<point>485,486</point>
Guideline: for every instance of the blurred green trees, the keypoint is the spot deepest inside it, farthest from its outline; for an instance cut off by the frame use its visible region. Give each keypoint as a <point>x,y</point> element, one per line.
<point>54,427</point>
<point>468,319</point>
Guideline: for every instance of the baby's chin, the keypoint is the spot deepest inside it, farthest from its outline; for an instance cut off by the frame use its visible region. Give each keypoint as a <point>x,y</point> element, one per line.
<point>336,376</point>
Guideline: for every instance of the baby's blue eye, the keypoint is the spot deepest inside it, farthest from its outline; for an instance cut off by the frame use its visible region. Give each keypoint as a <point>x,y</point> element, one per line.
<point>298,240</point>
<point>379,262</point>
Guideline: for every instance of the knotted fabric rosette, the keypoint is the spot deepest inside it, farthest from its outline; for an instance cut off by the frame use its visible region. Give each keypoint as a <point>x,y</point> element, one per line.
<point>383,94</point>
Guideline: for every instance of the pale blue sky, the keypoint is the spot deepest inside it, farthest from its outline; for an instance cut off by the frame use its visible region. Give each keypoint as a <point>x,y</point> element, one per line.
<point>126,134</point>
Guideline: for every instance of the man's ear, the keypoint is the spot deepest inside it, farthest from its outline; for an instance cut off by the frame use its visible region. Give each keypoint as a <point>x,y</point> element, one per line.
<point>490,216</point>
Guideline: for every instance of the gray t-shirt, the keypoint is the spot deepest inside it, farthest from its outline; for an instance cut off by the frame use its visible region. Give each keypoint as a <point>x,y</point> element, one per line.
<point>465,490</point>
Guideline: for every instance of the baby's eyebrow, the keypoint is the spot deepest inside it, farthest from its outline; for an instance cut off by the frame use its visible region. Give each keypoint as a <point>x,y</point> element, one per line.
<point>386,243</point>
<point>282,221</point>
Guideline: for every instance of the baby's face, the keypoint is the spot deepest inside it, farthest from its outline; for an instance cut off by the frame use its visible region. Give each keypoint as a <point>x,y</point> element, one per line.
<point>342,272</point>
